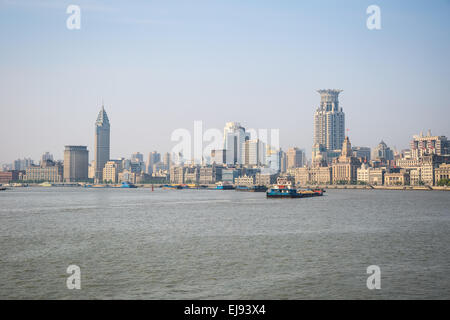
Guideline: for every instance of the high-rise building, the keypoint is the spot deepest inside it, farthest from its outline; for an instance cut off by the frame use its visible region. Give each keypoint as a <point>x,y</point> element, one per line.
<point>167,161</point>
<point>295,158</point>
<point>137,157</point>
<point>382,152</point>
<point>361,152</point>
<point>283,161</point>
<point>153,158</point>
<point>329,121</point>
<point>254,152</point>
<point>219,156</point>
<point>46,156</point>
<point>273,159</point>
<point>101,148</point>
<point>22,164</point>
<point>425,145</point>
<point>234,136</point>
<point>76,163</point>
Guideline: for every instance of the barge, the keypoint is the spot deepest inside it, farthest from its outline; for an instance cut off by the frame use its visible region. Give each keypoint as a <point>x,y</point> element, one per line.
<point>287,191</point>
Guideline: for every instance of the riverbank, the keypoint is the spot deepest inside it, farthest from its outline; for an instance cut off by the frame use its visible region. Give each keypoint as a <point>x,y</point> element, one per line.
<point>369,187</point>
<point>351,187</point>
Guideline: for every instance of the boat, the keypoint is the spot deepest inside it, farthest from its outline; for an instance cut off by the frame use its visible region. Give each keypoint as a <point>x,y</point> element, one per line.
<point>287,191</point>
<point>172,186</point>
<point>251,188</point>
<point>126,184</point>
<point>46,184</point>
<point>224,186</point>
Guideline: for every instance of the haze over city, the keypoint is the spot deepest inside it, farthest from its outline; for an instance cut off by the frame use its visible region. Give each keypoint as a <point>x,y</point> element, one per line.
<point>160,66</point>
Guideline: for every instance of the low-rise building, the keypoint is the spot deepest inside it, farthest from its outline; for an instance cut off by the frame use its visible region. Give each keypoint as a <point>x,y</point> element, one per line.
<point>442,172</point>
<point>9,176</point>
<point>245,181</point>
<point>415,176</point>
<point>177,175</point>
<point>210,175</point>
<point>313,175</point>
<point>286,180</point>
<point>369,175</point>
<point>397,178</point>
<point>48,171</point>
<point>265,179</point>
<point>229,175</point>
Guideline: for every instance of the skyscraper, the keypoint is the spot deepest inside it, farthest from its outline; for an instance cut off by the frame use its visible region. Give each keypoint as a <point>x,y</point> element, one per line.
<point>153,158</point>
<point>101,148</point>
<point>166,160</point>
<point>254,152</point>
<point>234,137</point>
<point>76,163</point>
<point>329,121</point>
<point>295,158</point>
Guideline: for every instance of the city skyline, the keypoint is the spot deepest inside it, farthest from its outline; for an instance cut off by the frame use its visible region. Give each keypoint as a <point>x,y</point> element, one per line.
<point>102,145</point>
<point>255,64</point>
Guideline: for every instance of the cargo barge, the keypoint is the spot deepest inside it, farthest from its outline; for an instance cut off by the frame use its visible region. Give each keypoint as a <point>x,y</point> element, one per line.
<point>286,191</point>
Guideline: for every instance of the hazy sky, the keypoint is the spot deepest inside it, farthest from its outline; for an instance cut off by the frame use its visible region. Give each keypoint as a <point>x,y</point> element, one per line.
<point>160,65</point>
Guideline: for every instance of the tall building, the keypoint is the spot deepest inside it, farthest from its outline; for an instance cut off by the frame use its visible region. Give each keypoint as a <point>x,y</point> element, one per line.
<point>361,152</point>
<point>101,148</point>
<point>22,164</point>
<point>46,156</point>
<point>273,159</point>
<point>295,158</point>
<point>254,152</point>
<point>137,157</point>
<point>382,152</point>
<point>219,156</point>
<point>329,121</point>
<point>283,161</point>
<point>167,161</point>
<point>425,145</point>
<point>152,159</point>
<point>76,163</point>
<point>234,136</point>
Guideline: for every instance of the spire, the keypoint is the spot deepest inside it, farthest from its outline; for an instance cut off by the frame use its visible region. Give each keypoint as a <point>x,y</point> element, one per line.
<point>102,118</point>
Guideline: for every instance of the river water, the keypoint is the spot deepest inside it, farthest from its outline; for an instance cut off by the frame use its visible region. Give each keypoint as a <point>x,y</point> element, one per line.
<point>210,244</point>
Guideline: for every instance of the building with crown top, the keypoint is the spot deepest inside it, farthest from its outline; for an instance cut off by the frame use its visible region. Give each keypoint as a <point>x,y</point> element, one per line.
<point>101,144</point>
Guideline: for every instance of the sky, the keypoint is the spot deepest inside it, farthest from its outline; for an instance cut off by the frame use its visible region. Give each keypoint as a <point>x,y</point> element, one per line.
<point>161,65</point>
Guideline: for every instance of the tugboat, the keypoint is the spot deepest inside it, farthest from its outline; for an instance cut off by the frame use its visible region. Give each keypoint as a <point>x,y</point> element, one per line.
<point>287,191</point>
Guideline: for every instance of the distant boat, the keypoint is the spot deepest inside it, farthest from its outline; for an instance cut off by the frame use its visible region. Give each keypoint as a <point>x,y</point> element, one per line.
<point>46,184</point>
<point>224,186</point>
<point>251,188</point>
<point>126,184</point>
<point>287,191</point>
